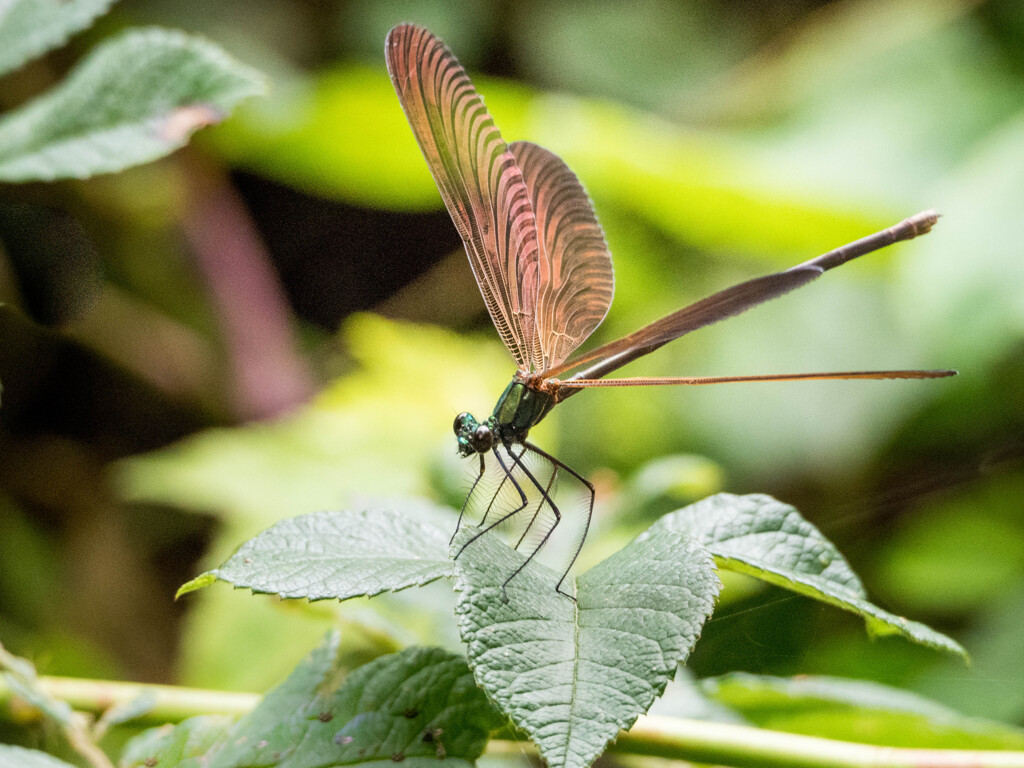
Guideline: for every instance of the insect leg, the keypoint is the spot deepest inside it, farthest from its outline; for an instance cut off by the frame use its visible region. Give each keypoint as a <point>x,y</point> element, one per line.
<point>462,512</point>
<point>503,518</point>
<point>546,494</point>
<point>487,512</point>
<point>545,497</point>
<point>590,508</point>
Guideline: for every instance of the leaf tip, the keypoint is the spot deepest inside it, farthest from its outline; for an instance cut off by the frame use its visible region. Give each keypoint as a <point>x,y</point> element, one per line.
<point>203,580</point>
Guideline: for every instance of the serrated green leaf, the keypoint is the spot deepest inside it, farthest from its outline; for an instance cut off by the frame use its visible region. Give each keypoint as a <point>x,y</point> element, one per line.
<point>17,757</point>
<point>412,707</point>
<point>135,98</point>
<point>857,710</point>
<point>29,28</point>
<point>572,674</point>
<point>771,541</point>
<point>337,554</point>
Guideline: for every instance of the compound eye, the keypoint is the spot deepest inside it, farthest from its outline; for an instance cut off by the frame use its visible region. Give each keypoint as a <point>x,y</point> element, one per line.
<point>483,439</point>
<point>461,421</point>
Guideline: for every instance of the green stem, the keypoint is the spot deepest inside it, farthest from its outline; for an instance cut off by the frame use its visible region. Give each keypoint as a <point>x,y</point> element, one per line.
<point>740,746</point>
<point>171,704</point>
<point>675,738</point>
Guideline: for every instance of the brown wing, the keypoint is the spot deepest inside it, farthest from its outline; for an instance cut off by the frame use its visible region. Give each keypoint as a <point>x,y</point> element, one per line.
<point>737,299</point>
<point>576,280</point>
<point>479,181</point>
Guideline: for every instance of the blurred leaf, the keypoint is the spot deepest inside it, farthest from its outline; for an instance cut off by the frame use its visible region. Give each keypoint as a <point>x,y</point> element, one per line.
<point>959,553</point>
<point>241,645</point>
<point>135,98</point>
<point>21,676</point>
<point>992,686</point>
<point>337,555</point>
<point>856,710</point>
<point>650,53</point>
<point>572,673</point>
<point>370,435</point>
<point>878,100</point>
<point>29,28</point>
<point>841,44</point>
<point>962,293</point>
<point>17,757</point>
<point>343,135</point>
<point>125,712</point>
<point>382,711</point>
<point>685,697</point>
<point>172,745</point>
<point>467,26</point>
<point>667,482</point>
<point>765,538</point>
<point>28,566</point>
<point>372,432</point>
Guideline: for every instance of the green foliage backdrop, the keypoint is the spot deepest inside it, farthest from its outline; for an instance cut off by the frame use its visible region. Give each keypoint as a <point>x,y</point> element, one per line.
<point>278,320</point>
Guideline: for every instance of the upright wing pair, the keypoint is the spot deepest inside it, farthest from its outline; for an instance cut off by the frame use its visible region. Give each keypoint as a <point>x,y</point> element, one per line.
<point>534,243</point>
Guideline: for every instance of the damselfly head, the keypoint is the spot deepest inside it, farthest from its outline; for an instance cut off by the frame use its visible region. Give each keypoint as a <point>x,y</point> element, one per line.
<point>473,436</point>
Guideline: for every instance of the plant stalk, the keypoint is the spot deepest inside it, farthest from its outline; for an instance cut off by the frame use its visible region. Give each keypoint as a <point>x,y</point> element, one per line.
<point>701,741</point>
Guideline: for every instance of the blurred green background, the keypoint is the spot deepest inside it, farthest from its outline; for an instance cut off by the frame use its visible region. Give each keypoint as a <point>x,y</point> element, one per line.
<point>280,319</point>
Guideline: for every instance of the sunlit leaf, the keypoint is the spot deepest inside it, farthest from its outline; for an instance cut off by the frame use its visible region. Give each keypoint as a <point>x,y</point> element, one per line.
<point>29,28</point>
<point>769,540</point>
<point>135,98</point>
<point>571,674</point>
<point>343,135</point>
<point>340,554</point>
<point>857,710</point>
<point>372,434</point>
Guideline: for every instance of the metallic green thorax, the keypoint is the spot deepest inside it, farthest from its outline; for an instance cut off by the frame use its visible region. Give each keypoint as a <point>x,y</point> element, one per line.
<point>519,408</point>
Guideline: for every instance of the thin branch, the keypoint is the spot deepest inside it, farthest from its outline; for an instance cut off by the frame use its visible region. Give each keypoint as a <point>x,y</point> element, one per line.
<point>740,746</point>
<point>171,704</point>
<point>674,738</point>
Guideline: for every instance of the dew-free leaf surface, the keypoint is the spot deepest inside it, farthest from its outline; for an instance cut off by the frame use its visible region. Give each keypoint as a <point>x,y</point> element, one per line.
<point>571,674</point>
<point>771,541</point>
<point>336,554</point>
